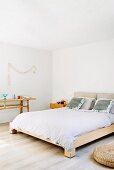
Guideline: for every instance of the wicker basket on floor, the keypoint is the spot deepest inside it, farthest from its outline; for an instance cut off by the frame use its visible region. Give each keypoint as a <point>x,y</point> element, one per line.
<point>105,155</point>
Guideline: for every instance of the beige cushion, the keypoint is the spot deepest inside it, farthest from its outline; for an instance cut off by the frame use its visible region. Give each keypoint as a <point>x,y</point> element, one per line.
<point>88,104</point>
<point>105,95</point>
<point>105,155</point>
<point>85,94</point>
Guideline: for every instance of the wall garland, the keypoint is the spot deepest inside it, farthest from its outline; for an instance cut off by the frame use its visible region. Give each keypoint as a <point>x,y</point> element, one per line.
<point>10,66</point>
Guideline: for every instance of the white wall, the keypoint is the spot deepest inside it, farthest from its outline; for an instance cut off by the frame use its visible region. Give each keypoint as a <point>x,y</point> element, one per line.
<point>85,68</point>
<point>38,85</point>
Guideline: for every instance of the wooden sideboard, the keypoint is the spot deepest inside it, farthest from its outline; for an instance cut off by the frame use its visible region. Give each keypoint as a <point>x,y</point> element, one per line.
<point>16,103</point>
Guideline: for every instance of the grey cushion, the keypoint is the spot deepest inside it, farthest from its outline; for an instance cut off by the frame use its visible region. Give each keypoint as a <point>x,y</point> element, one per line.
<point>76,103</point>
<point>103,105</point>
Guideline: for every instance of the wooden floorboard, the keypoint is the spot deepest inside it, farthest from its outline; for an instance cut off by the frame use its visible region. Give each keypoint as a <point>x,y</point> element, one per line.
<point>23,152</point>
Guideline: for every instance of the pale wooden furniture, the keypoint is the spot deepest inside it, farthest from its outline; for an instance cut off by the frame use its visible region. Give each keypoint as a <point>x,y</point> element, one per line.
<point>15,103</point>
<point>56,105</point>
<point>85,138</point>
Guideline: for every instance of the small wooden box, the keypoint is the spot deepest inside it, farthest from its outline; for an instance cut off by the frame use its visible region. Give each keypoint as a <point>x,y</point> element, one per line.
<point>56,105</point>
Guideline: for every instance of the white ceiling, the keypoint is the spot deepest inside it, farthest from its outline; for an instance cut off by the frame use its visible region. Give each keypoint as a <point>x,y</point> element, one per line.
<point>54,24</point>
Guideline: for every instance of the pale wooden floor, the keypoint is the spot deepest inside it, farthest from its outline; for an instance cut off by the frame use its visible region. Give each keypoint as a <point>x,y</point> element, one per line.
<point>22,152</point>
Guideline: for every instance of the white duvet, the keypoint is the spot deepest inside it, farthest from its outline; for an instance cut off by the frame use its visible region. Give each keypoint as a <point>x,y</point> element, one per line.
<point>62,125</point>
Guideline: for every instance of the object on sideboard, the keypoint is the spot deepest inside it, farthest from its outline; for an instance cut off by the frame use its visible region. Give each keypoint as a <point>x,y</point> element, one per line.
<point>14,96</point>
<point>18,97</point>
<point>5,96</point>
<point>64,102</point>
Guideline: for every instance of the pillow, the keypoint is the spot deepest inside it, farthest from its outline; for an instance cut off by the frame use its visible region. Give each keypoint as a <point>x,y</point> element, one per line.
<point>88,104</point>
<point>112,109</point>
<point>103,105</point>
<point>76,103</point>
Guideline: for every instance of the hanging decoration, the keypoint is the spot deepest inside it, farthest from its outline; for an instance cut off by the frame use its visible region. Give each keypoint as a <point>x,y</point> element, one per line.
<point>10,66</point>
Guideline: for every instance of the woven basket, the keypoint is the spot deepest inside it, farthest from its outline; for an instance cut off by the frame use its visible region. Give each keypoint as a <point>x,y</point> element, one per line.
<point>105,155</point>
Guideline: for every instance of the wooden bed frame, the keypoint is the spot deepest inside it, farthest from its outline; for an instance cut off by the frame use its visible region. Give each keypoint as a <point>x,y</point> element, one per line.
<point>85,138</point>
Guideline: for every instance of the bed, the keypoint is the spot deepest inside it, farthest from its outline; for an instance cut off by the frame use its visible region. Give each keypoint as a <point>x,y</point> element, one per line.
<point>62,126</point>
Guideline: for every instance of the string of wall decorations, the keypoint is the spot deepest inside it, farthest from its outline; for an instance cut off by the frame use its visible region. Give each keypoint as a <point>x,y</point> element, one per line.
<point>11,66</point>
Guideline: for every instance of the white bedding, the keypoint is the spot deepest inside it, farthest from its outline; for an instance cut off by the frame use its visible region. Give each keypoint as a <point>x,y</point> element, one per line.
<point>62,125</point>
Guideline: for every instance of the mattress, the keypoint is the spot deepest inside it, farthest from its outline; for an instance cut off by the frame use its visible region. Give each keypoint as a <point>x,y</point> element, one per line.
<point>62,126</point>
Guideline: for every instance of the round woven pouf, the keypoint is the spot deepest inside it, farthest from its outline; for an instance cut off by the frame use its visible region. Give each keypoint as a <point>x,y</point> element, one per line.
<point>105,155</point>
